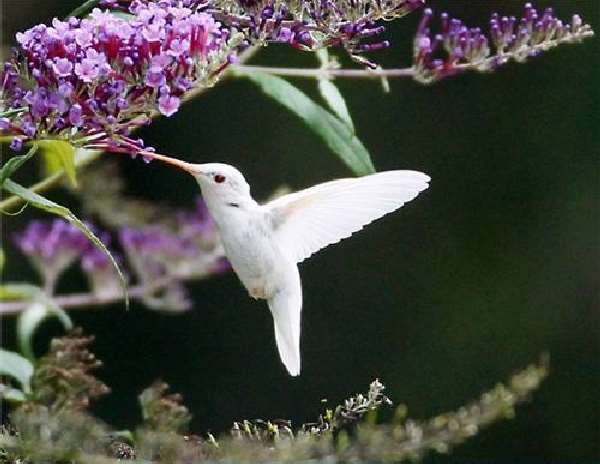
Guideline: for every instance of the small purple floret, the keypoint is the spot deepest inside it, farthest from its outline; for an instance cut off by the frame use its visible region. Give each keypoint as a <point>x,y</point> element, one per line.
<point>155,79</point>
<point>16,144</point>
<point>168,105</point>
<point>75,115</point>
<point>62,67</point>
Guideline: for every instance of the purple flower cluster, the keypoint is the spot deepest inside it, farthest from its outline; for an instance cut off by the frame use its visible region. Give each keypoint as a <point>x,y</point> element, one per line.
<point>160,258</point>
<point>52,247</point>
<point>458,48</point>
<point>190,248</point>
<point>158,254</point>
<point>92,80</point>
<point>305,25</point>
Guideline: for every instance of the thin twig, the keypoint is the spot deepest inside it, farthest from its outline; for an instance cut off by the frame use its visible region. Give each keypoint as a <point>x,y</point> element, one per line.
<point>327,72</point>
<point>87,300</point>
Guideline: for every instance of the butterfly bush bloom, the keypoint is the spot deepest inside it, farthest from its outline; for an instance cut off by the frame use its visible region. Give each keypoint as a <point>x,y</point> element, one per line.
<point>158,254</point>
<point>305,25</point>
<point>458,48</point>
<point>52,247</point>
<point>93,80</point>
<point>160,258</point>
<point>190,248</point>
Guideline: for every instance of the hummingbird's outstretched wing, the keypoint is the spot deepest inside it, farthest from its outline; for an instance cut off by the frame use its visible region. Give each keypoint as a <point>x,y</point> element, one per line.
<point>311,219</point>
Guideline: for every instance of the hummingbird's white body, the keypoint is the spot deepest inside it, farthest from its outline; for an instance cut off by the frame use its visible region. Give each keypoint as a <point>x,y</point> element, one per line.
<point>265,243</point>
<point>246,231</point>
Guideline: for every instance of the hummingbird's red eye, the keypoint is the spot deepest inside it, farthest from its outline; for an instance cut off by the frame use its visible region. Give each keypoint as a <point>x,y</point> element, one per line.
<point>219,179</point>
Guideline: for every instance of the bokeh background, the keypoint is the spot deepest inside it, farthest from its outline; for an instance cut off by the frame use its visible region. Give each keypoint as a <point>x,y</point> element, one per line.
<point>496,263</point>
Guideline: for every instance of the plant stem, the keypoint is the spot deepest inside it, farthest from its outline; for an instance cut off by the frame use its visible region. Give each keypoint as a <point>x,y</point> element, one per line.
<point>324,72</point>
<point>87,300</point>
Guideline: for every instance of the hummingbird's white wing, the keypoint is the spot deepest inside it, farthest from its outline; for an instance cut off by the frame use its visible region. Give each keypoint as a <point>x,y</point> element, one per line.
<point>308,220</point>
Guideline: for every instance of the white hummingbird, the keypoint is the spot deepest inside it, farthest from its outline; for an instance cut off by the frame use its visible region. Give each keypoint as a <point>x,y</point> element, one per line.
<point>265,243</point>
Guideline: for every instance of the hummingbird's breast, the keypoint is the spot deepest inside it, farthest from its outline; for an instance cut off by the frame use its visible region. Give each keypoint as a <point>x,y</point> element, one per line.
<point>248,242</point>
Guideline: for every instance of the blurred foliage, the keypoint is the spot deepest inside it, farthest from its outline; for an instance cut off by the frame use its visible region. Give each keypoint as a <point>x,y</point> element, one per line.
<point>54,425</point>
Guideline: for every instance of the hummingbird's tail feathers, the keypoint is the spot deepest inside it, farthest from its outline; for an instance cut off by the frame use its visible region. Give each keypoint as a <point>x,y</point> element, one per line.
<point>285,307</point>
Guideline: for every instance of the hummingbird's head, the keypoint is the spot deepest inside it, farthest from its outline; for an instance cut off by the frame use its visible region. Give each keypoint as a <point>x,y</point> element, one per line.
<point>220,182</point>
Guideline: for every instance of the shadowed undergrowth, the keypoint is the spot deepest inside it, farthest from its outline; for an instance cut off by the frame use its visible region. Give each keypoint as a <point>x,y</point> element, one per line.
<point>53,425</point>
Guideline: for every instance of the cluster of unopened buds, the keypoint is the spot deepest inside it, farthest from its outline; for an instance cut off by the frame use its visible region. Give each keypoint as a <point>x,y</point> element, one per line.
<point>160,258</point>
<point>458,48</point>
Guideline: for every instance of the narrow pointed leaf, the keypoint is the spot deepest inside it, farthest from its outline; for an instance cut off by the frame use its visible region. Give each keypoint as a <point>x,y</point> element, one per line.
<point>18,367</point>
<point>84,8</point>
<point>43,203</point>
<point>336,134</point>
<point>59,154</point>
<point>30,319</point>
<point>331,93</point>
<point>14,163</point>
<point>336,102</point>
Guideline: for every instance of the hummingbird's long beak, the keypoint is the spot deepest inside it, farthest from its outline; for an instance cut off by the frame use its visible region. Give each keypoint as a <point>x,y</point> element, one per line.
<point>188,167</point>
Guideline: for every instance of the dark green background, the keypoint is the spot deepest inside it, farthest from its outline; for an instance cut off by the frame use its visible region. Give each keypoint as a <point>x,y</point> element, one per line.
<point>497,262</point>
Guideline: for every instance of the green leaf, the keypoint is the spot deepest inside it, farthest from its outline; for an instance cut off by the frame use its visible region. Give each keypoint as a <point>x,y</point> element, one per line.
<point>12,113</point>
<point>18,367</point>
<point>336,102</point>
<point>15,163</point>
<point>83,8</point>
<point>30,319</point>
<point>330,92</point>
<point>11,394</point>
<point>336,134</point>
<point>122,15</point>
<point>41,202</point>
<point>10,291</point>
<point>59,154</point>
